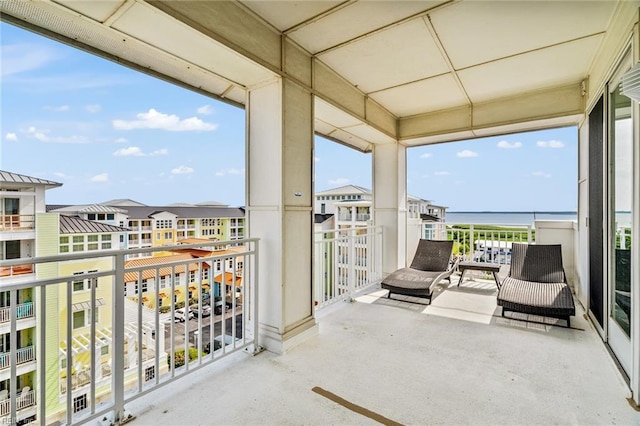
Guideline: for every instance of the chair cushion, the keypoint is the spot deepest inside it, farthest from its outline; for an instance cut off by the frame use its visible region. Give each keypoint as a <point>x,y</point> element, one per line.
<point>410,279</point>
<point>432,255</point>
<point>546,299</point>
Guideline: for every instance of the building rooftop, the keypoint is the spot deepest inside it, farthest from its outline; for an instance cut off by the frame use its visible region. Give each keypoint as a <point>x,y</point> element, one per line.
<point>11,177</point>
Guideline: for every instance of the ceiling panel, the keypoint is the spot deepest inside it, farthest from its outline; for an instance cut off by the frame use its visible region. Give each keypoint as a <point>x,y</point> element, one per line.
<point>142,22</point>
<point>428,140</point>
<point>432,94</point>
<point>554,66</point>
<point>286,14</point>
<point>368,133</point>
<point>323,127</point>
<point>96,10</point>
<point>474,32</point>
<point>385,59</point>
<point>330,114</point>
<point>354,20</point>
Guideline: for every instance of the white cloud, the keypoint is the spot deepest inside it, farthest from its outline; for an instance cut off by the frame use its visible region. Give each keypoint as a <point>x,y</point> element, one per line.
<point>509,145</point>
<point>467,154</point>
<point>132,151</point>
<point>121,140</point>
<point>61,175</point>
<point>92,109</point>
<point>157,120</point>
<point>550,144</point>
<point>59,108</point>
<point>426,155</point>
<point>182,170</point>
<point>157,152</point>
<point>541,174</point>
<point>43,136</point>
<point>20,58</point>
<point>102,177</point>
<point>441,173</point>
<point>339,181</point>
<point>38,134</point>
<point>11,137</point>
<point>205,110</point>
<point>231,171</point>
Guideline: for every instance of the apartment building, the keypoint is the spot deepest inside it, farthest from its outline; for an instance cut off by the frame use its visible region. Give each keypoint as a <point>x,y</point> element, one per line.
<point>21,200</point>
<point>68,357</point>
<point>351,205</point>
<point>157,226</point>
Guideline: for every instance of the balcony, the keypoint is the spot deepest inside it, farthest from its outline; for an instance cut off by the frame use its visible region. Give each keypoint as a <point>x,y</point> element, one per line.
<point>23,355</point>
<point>377,360</point>
<point>17,222</point>
<point>15,271</point>
<point>23,310</point>
<point>429,357</point>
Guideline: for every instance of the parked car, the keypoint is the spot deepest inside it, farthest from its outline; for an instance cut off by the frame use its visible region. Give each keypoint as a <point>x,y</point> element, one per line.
<point>217,342</point>
<point>218,307</point>
<point>181,316</point>
<point>206,310</point>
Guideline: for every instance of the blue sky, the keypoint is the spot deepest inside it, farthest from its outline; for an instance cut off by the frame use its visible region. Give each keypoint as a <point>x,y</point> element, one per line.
<point>105,131</point>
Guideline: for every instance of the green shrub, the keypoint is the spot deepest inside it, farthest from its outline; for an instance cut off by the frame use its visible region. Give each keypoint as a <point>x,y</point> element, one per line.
<point>164,309</point>
<point>179,362</point>
<point>180,305</point>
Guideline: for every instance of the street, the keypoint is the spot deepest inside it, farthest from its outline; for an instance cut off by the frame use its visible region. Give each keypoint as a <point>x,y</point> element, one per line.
<point>205,331</point>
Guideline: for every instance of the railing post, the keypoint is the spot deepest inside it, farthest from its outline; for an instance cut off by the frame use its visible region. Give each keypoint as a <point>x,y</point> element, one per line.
<point>117,372</point>
<point>351,255</point>
<point>471,243</point>
<point>529,234</point>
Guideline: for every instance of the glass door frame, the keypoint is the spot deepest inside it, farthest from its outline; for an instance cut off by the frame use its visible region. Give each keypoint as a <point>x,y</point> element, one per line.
<point>617,338</point>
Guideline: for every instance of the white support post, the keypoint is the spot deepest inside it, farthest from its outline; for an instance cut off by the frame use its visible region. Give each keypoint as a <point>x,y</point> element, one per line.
<point>280,209</point>
<point>390,202</point>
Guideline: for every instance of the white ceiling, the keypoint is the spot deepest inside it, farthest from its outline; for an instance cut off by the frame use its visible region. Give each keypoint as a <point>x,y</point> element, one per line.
<point>411,57</point>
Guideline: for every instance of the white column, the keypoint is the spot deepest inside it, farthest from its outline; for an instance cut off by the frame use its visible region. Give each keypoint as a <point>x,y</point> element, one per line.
<point>390,203</point>
<point>280,209</point>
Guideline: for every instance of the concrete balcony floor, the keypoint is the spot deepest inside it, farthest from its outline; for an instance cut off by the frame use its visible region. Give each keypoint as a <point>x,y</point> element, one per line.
<point>456,362</point>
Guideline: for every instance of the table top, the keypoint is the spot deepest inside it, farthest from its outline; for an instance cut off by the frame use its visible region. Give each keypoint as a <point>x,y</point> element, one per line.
<point>480,266</point>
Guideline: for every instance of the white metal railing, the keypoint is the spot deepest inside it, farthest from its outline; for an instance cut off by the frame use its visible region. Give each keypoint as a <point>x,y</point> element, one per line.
<point>25,399</point>
<point>117,358</point>
<point>359,217</point>
<point>23,355</point>
<point>347,260</point>
<point>480,242</point>
<point>23,310</point>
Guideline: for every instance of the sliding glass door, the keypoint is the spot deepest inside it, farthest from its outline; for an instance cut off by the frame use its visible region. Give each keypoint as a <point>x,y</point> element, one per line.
<point>620,202</point>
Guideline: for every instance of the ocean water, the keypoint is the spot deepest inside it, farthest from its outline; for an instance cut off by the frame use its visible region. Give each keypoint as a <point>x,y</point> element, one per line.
<point>521,218</point>
<point>507,218</point>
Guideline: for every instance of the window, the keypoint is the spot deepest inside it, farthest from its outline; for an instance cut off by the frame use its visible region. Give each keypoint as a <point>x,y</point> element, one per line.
<point>81,318</point>
<point>145,285</point>
<point>168,235</point>
<point>91,216</point>
<point>157,235</point>
<point>80,403</point>
<point>149,373</point>
<point>110,216</point>
<point>78,319</point>
<point>164,224</point>
<point>81,284</point>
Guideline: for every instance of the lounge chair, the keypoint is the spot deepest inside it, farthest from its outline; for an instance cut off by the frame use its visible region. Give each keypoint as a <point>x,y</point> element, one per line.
<point>431,264</point>
<point>537,283</point>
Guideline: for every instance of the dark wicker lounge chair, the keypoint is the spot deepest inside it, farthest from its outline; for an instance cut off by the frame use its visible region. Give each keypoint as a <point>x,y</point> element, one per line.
<point>537,283</point>
<point>431,263</point>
